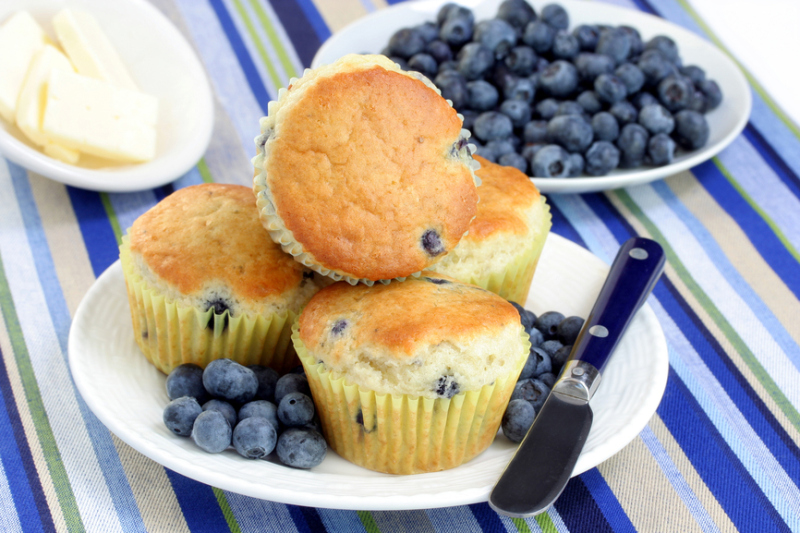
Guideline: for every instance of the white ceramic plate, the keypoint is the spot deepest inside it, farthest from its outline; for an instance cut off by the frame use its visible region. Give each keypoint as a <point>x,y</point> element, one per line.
<point>128,395</point>
<point>371,34</point>
<point>162,63</point>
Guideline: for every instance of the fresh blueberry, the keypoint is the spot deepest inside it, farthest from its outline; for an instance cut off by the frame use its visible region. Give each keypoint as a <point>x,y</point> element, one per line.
<point>519,111</point>
<point>589,102</point>
<point>526,317</point>
<point>609,88</point>
<point>624,112</point>
<point>296,409</point>
<point>483,96</point>
<point>697,102</point>
<point>632,144</point>
<point>712,92</point>
<point>674,92</point>
<point>469,121</point>
<point>180,414</point>
<point>560,357</point>
<point>548,378</point>
<point>228,380</point>
<point>570,107</point>
<point>572,132</point>
<point>496,35</point>
<point>550,347</point>
<point>212,432</point>
<point>474,60</point>
<point>517,419</point>
<point>446,387</point>
<point>614,43</point>
<point>601,158</point>
<point>632,76</point>
<point>547,323</point>
<point>298,369</point>
<point>643,99</point>
<point>428,30</point>
<point>547,108</point>
<point>521,60</point>
<point>254,438</point>
<point>591,65</point>
<point>605,126</point>
<point>453,87</point>
<point>576,164</point>
<point>406,42</point>
<point>637,46</point>
<point>218,319</point>
<point>587,36</point>
<point>541,357</point>
<point>501,147</point>
<point>565,45</point>
<point>449,64</point>
<point>457,27</point>
<point>289,383</point>
<point>559,79</point>
<point>536,337</point>
<point>439,50</point>
<point>492,125</point>
<point>186,380</point>
<point>531,390</point>
<point>260,408</point>
<point>691,129</point>
<point>518,13</point>
<point>301,448</point>
<point>654,67</point>
<point>551,161</point>
<point>556,16</point>
<point>568,329</point>
<point>223,407</point>
<point>515,160</point>
<point>656,119</point>
<point>694,73</point>
<point>535,131</point>
<point>520,89</point>
<point>424,64</point>
<point>665,46</point>
<point>267,377</point>
<point>529,151</point>
<point>539,36</point>
<point>448,9</point>
<point>660,149</point>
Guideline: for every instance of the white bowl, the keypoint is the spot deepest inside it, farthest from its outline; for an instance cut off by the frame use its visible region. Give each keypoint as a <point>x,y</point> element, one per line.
<point>370,34</point>
<point>162,63</point>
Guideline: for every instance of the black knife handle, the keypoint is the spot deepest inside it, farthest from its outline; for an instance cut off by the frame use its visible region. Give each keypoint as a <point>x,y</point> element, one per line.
<point>634,273</point>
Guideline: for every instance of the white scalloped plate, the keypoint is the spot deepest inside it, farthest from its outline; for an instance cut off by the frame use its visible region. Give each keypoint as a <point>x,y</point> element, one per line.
<point>128,395</point>
<point>370,34</point>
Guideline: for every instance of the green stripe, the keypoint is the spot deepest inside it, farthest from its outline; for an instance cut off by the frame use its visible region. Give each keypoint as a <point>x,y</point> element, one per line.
<point>245,18</point>
<point>227,512</point>
<point>33,398</point>
<point>277,45</point>
<point>546,523</point>
<point>368,521</point>
<point>521,525</point>
<point>202,167</point>
<point>767,219</point>
<point>705,302</point>
<point>753,82</point>
<point>112,217</point>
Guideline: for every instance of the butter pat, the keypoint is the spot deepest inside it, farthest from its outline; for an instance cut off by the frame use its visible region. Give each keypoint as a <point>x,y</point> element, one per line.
<point>34,92</point>
<point>89,49</point>
<point>62,153</point>
<point>99,118</point>
<point>20,38</point>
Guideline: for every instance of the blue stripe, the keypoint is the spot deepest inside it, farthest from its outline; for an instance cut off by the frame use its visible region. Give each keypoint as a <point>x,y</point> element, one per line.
<point>107,457</point>
<point>758,231</point>
<point>562,226</point>
<point>607,502</point>
<point>773,159</point>
<point>98,235</point>
<point>249,69</point>
<point>487,518</point>
<point>303,25</point>
<point>617,224</point>
<point>306,519</point>
<point>198,503</point>
<point>15,454</point>
<point>579,510</point>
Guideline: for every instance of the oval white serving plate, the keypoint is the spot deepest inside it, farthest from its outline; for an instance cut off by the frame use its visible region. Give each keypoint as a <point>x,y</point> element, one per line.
<point>370,34</point>
<point>162,63</point>
<point>128,395</point>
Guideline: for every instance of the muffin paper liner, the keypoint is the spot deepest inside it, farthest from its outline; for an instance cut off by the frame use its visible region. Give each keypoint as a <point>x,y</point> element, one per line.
<point>170,334</point>
<point>402,434</point>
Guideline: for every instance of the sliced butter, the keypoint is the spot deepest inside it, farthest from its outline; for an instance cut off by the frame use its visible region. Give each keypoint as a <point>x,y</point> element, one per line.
<point>89,48</point>
<point>62,153</point>
<point>20,38</point>
<point>99,118</point>
<point>34,92</point>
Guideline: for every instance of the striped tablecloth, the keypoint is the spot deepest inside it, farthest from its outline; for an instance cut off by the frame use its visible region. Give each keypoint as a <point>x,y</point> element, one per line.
<point>720,454</point>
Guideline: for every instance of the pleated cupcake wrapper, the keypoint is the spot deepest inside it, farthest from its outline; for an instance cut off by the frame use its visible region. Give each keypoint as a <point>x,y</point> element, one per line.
<point>266,203</point>
<point>401,434</point>
<point>170,334</point>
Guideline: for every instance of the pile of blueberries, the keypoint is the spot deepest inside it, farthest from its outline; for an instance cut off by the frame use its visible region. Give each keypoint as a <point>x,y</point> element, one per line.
<point>558,103</point>
<point>552,336</point>
<point>251,408</point>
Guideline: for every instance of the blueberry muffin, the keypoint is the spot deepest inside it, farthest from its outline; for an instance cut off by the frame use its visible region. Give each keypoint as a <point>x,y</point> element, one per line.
<point>411,376</point>
<point>363,171</point>
<point>205,281</point>
<point>505,240</point>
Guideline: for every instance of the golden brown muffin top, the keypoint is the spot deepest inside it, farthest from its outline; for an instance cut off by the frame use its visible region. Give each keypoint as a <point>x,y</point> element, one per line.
<point>401,319</point>
<point>212,232</point>
<point>506,197</point>
<point>361,165</point>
